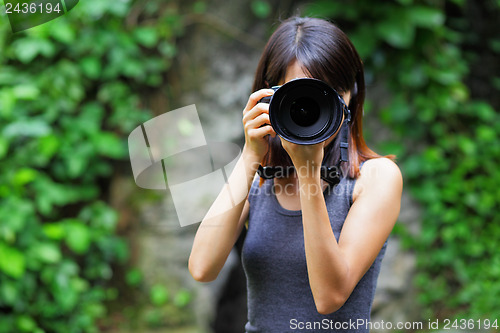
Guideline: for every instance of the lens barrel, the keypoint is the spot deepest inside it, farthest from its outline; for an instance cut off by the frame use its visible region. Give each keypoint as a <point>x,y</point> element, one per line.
<point>305,111</point>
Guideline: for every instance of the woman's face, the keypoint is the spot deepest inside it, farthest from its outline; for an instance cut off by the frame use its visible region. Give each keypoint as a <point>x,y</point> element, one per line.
<point>295,71</point>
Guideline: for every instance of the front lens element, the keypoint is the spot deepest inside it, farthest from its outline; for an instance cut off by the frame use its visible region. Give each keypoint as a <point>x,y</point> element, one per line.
<point>304,111</point>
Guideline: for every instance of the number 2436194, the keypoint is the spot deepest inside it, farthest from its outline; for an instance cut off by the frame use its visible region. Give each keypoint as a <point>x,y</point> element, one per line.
<point>32,8</point>
<point>470,324</point>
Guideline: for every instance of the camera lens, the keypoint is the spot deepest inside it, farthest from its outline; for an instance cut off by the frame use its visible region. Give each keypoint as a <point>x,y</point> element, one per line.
<point>304,111</point>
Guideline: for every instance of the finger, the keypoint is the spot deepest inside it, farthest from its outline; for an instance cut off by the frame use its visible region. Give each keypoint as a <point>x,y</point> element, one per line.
<point>257,113</point>
<point>259,121</point>
<point>258,109</point>
<point>260,132</point>
<point>256,97</point>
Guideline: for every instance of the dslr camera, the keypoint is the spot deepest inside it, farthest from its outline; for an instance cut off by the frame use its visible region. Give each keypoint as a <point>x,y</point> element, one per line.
<point>306,111</point>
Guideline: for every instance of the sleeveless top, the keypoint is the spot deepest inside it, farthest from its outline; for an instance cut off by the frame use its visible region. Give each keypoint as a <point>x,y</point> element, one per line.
<point>273,257</point>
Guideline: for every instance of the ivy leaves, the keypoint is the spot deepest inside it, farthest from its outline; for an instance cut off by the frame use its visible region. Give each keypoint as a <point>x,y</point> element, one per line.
<point>69,94</point>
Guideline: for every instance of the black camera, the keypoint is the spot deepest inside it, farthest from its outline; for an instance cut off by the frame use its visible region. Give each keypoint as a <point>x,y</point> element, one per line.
<point>306,111</point>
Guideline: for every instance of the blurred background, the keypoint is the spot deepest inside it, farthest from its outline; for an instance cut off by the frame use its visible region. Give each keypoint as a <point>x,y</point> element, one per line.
<point>83,249</point>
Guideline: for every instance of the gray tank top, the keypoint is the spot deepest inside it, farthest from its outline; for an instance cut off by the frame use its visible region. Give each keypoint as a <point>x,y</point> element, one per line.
<point>279,296</point>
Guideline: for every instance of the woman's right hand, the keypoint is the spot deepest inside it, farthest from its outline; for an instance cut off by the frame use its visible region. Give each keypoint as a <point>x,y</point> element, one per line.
<point>257,124</point>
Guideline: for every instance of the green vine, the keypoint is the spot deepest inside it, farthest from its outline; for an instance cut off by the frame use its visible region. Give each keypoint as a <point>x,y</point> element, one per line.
<point>69,95</point>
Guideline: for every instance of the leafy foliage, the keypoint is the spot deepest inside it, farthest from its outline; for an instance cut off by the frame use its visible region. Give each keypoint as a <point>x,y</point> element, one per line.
<point>448,146</point>
<point>69,94</point>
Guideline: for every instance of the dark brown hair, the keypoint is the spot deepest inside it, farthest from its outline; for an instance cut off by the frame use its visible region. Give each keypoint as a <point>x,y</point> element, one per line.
<point>324,52</point>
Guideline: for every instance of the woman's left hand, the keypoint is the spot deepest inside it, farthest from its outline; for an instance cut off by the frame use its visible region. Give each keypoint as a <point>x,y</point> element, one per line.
<point>307,159</point>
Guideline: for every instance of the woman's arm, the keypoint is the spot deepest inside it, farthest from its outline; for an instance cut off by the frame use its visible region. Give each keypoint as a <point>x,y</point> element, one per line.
<point>223,223</point>
<point>334,269</point>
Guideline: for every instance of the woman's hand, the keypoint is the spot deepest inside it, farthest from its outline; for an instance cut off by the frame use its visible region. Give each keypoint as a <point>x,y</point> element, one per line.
<point>307,159</point>
<point>257,124</point>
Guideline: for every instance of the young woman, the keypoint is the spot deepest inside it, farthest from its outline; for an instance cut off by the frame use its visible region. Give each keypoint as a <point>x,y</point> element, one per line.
<point>312,253</point>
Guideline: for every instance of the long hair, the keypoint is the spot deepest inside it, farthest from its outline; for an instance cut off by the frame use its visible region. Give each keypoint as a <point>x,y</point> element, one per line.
<point>324,52</point>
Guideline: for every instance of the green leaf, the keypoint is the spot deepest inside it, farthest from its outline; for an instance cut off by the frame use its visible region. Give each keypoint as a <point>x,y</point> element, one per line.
<point>76,164</point>
<point>26,323</point>
<point>60,194</point>
<point>26,91</point>
<point>55,231</point>
<point>496,82</point>
<point>14,215</point>
<point>167,49</point>
<point>328,8</point>
<point>364,40</point>
<point>182,298</point>
<point>133,277</point>
<point>261,8</point>
<point>4,147</point>
<point>91,67</point>
<point>7,103</point>
<point>12,261</point>
<point>27,49</point>
<point>9,292</point>
<point>427,17</point>
<point>24,176</point>
<point>110,145</point>
<point>121,250</point>
<point>27,127</point>
<point>146,36</point>
<point>415,77</point>
<point>495,45</point>
<point>392,148</point>
<point>48,145</point>
<point>47,252</point>
<point>78,236</point>
<point>158,295</point>
<point>486,134</point>
<point>62,31</point>
<point>396,29</point>
<point>96,310</point>
<point>100,216</point>
<point>398,111</point>
<point>199,7</point>
<point>485,111</point>
<point>467,145</point>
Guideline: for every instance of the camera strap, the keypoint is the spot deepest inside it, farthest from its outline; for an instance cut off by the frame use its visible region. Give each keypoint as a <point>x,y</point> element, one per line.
<point>344,136</point>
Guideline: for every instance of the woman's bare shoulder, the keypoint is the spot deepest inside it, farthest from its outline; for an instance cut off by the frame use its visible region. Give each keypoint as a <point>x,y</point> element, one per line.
<point>378,175</point>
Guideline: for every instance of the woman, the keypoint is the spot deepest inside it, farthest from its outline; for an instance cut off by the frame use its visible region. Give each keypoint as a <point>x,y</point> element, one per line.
<point>312,253</point>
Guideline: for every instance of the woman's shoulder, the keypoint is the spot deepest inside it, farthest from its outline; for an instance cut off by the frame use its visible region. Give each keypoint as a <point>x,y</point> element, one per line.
<point>382,165</point>
<point>378,175</point>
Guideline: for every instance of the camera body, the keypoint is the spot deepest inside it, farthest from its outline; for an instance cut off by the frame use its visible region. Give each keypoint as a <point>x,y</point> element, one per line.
<point>306,111</point>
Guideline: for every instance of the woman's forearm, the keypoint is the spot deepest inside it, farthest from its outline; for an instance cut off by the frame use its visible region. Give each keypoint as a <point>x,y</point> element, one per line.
<point>220,228</point>
<point>327,268</point>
